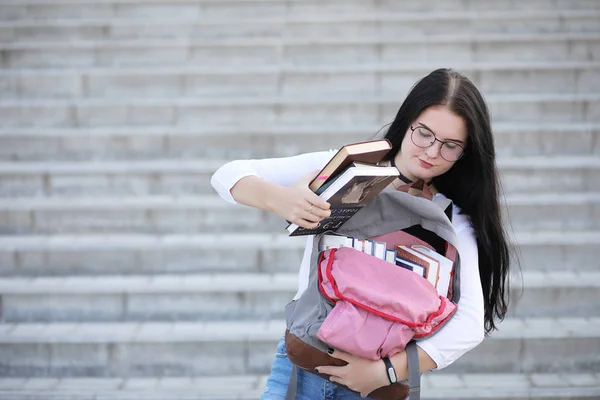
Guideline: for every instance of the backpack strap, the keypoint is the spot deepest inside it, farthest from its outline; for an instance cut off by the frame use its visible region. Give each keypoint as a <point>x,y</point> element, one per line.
<point>293,384</point>
<point>414,371</point>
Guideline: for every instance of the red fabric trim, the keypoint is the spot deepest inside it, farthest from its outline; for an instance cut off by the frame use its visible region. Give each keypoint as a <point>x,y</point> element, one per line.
<point>320,277</point>
<point>366,307</point>
<point>438,326</point>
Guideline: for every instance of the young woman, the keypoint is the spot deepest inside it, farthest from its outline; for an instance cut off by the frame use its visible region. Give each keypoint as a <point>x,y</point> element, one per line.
<point>442,135</point>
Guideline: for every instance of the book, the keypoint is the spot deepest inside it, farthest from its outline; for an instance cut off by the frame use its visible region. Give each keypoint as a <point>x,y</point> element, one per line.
<point>358,244</point>
<point>445,271</point>
<point>351,165</point>
<point>379,250</point>
<point>390,256</point>
<point>369,152</point>
<point>368,248</point>
<point>411,266</point>
<point>432,266</point>
<point>332,241</point>
<point>347,194</point>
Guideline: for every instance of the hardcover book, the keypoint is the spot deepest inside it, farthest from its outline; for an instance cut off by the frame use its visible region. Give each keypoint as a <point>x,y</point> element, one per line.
<point>432,266</point>
<point>347,194</point>
<point>367,152</point>
<point>445,271</point>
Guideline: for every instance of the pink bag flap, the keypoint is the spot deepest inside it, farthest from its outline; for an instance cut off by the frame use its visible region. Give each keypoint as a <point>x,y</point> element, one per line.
<point>382,288</point>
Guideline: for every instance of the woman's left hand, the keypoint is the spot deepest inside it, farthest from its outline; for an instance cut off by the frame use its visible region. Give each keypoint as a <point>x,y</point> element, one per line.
<point>361,375</point>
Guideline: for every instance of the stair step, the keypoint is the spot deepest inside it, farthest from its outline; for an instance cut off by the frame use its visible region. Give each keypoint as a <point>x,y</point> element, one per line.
<point>176,82</point>
<point>14,9</point>
<point>434,386</point>
<point>109,254</point>
<point>446,48</point>
<point>564,345</point>
<point>504,37</point>
<point>277,100</point>
<point>177,177</point>
<point>241,296</point>
<point>61,113</point>
<point>209,213</point>
<point>214,202</point>
<point>389,24</point>
<point>324,68</point>
<point>241,240</point>
<point>308,18</point>
<point>143,143</point>
<point>235,283</point>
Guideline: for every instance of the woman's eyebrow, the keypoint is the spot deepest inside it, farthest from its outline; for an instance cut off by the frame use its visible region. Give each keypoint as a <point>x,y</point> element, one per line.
<point>431,130</point>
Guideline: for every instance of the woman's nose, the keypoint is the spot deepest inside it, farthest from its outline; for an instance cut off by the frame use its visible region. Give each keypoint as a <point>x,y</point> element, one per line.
<point>434,150</point>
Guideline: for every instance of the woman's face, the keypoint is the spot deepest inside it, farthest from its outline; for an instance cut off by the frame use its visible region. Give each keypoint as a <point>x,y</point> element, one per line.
<point>426,163</point>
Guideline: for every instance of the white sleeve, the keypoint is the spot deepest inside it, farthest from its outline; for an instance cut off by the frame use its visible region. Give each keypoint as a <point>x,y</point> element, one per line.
<point>279,171</point>
<point>465,330</point>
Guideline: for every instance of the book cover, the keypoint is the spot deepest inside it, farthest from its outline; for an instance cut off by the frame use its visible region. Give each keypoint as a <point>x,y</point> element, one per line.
<point>350,191</point>
<point>331,181</point>
<point>446,266</point>
<point>368,152</point>
<point>411,266</point>
<point>432,266</point>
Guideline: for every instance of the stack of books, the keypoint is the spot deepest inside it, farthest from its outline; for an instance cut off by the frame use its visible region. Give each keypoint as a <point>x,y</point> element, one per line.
<point>371,247</point>
<point>419,259</point>
<point>349,181</point>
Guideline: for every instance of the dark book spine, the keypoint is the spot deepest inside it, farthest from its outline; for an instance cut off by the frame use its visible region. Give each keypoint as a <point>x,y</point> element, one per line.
<point>337,218</point>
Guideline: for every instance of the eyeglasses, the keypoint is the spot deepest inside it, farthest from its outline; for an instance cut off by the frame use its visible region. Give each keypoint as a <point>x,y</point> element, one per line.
<point>424,138</point>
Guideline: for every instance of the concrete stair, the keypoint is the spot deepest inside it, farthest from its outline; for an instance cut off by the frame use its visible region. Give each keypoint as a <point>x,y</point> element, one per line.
<point>178,142</point>
<point>493,21</point>
<point>192,177</point>
<point>434,386</point>
<point>117,280</point>
<point>59,113</point>
<point>487,47</point>
<point>134,349</point>
<point>171,215</point>
<point>102,254</point>
<point>209,9</point>
<point>241,297</point>
<point>513,76</point>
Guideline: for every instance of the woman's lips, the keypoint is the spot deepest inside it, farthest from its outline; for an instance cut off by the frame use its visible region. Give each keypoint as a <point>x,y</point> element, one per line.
<point>425,164</point>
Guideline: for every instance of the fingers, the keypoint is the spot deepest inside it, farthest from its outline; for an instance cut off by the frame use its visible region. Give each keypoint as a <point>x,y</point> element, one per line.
<point>329,370</point>
<point>318,211</point>
<point>342,355</point>
<point>310,216</point>
<point>317,201</point>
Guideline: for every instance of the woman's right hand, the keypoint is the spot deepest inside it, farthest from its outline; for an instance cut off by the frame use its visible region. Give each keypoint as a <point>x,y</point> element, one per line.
<point>298,204</point>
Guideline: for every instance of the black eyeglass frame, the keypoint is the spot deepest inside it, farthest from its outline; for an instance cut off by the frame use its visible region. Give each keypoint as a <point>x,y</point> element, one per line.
<point>435,139</point>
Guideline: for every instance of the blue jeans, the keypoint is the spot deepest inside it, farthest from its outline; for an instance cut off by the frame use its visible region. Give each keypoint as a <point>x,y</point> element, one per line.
<point>310,386</point>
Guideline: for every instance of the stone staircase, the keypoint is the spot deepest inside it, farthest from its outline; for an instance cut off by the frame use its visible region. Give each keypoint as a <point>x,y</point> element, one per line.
<point>117,279</point>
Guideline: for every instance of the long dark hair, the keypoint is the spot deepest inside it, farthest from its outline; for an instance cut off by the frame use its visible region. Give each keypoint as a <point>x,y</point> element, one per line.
<point>472,183</point>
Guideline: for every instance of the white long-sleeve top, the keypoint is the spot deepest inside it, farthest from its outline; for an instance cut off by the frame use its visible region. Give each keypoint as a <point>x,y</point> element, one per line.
<point>463,332</point>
